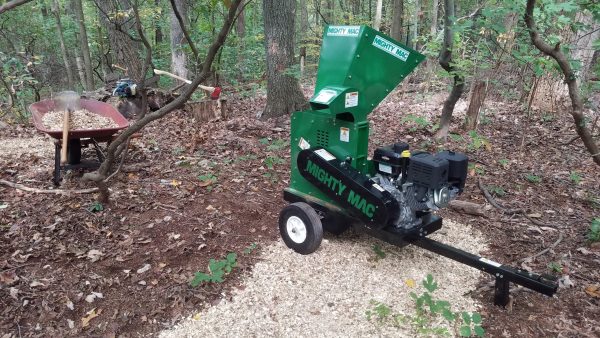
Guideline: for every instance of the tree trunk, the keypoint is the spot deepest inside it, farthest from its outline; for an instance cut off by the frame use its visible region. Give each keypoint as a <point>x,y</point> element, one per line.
<point>414,26</point>
<point>570,79</point>
<point>329,12</point>
<point>304,26</point>
<point>434,18</point>
<point>12,4</point>
<point>397,20</point>
<point>80,68</point>
<point>446,63</point>
<point>240,29</point>
<point>63,47</point>
<point>84,45</point>
<point>478,95</point>
<point>377,20</point>
<point>125,50</point>
<point>283,90</point>
<point>178,57</point>
<point>158,34</point>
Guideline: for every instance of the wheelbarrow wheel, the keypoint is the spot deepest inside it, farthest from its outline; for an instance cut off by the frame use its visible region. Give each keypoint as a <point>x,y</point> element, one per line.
<point>300,228</point>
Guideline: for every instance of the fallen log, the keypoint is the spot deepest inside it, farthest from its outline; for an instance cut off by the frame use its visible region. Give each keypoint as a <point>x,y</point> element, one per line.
<point>468,207</point>
<point>47,191</point>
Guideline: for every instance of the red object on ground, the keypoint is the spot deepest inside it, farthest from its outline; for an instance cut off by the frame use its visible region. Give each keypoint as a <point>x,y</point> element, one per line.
<point>40,108</point>
<point>216,93</point>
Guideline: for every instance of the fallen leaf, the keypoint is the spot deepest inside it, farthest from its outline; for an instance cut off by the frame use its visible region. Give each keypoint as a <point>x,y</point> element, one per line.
<point>144,268</point>
<point>205,183</point>
<point>196,316</point>
<point>411,283</point>
<point>8,277</point>
<point>92,296</point>
<point>14,293</point>
<point>593,290</point>
<point>36,283</point>
<point>565,282</point>
<point>584,251</point>
<point>71,324</point>
<point>85,321</point>
<point>94,255</point>
<point>70,305</point>
<point>210,208</point>
<point>535,215</point>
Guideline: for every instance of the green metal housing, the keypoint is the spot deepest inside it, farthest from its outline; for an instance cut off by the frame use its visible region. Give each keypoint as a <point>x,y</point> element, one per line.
<point>358,68</point>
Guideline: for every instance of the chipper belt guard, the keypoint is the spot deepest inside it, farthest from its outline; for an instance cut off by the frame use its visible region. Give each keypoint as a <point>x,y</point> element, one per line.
<point>392,196</point>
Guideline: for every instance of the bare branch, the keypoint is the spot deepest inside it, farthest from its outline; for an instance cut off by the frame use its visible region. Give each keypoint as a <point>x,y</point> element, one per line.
<point>12,4</point>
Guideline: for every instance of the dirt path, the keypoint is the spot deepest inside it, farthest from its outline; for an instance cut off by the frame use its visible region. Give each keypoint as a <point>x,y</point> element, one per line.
<point>327,293</point>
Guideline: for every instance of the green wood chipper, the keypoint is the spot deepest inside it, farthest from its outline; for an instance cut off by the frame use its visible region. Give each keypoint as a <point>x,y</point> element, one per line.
<point>334,184</point>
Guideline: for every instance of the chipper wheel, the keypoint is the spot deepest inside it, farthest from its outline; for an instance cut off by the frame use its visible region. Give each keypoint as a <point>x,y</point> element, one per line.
<point>300,228</point>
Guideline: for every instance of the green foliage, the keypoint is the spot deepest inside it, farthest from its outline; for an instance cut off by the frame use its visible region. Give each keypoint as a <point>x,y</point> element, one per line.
<point>532,178</point>
<point>575,177</point>
<point>217,270</point>
<point>476,168</point>
<point>415,122</point>
<point>208,178</point>
<point>379,253</point>
<point>593,234</point>
<point>96,207</point>
<point>248,250</point>
<point>477,141</point>
<point>271,161</point>
<point>496,190</point>
<point>428,309</point>
<point>504,162</point>
<point>555,267</point>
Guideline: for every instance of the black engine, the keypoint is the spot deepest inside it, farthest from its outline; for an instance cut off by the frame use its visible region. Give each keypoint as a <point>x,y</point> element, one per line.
<point>420,182</point>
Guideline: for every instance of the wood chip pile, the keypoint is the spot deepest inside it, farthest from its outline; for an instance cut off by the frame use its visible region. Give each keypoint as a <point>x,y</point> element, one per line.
<point>79,120</point>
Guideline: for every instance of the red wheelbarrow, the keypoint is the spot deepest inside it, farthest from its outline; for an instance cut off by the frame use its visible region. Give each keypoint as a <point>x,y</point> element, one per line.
<point>78,138</point>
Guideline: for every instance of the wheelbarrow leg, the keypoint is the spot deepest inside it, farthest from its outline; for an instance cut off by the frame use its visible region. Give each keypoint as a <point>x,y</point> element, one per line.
<point>56,178</point>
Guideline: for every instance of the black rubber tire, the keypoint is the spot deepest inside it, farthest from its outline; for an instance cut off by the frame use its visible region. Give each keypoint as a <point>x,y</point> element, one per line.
<point>74,151</point>
<point>335,224</point>
<point>312,223</point>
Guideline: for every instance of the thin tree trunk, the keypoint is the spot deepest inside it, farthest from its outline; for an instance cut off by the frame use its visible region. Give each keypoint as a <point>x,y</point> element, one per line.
<point>63,47</point>
<point>178,57</point>
<point>446,63</point>
<point>377,20</point>
<point>434,18</point>
<point>478,94</point>
<point>80,68</point>
<point>414,27</point>
<point>303,34</point>
<point>570,79</point>
<point>158,34</point>
<point>240,29</point>
<point>283,90</point>
<point>397,20</point>
<point>84,46</point>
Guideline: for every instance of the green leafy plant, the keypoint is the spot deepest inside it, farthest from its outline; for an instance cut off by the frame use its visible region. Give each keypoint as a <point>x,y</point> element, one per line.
<point>477,141</point>
<point>208,178</point>
<point>415,122</point>
<point>593,234</point>
<point>503,162</point>
<point>277,144</point>
<point>575,177</point>
<point>555,267</point>
<point>271,161</point>
<point>496,190</point>
<point>379,253</point>
<point>476,168</point>
<point>248,250</point>
<point>533,178</point>
<point>217,270</point>
<point>428,309</point>
<point>96,207</point>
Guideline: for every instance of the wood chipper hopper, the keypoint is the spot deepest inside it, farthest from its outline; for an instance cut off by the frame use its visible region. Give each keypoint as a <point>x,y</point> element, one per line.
<point>334,184</point>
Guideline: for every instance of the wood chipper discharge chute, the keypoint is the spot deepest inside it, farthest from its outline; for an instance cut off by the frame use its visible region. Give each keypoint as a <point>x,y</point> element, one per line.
<point>392,195</point>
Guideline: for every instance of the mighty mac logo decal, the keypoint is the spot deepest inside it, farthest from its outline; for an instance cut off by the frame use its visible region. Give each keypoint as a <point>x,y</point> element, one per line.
<point>391,48</point>
<point>343,30</point>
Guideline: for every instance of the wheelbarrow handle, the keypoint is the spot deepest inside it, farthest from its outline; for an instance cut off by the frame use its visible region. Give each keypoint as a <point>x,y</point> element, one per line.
<point>65,137</point>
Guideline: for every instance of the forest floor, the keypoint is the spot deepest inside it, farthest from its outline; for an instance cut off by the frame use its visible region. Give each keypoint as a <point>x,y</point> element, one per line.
<point>191,192</point>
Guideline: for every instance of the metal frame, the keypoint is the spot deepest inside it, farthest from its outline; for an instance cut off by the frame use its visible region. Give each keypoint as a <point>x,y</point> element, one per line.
<point>83,164</point>
<point>503,274</point>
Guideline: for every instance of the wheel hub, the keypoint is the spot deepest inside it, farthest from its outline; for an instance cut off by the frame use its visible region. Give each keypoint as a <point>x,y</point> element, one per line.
<point>296,229</point>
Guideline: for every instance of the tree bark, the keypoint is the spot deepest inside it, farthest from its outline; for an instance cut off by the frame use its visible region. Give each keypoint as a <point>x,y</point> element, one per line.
<point>84,45</point>
<point>12,4</point>
<point>158,34</point>
<point>283,90</point>
<point>63,47</point>
<point>434,18</point>
<point>304,26</point>
<point>240,29</point>
<point>570,79</point>
<point>178,57</point>
<point>397,20</point>
<point>478,95</point>
<point>446,63</point>
<point>124,47</point>
<point>414,26</point>
<point>377,20</point>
